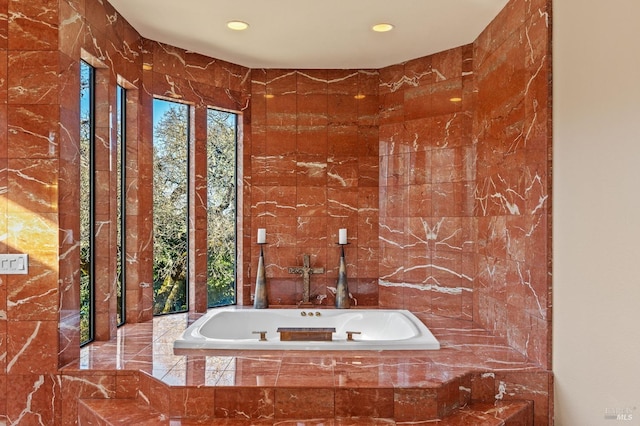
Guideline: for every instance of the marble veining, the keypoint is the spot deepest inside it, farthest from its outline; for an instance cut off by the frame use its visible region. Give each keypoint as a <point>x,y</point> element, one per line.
<point>439,167</point>
<point>466,349</point>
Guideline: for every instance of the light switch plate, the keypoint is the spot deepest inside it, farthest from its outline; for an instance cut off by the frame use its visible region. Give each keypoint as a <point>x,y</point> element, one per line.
<point>14,264</point>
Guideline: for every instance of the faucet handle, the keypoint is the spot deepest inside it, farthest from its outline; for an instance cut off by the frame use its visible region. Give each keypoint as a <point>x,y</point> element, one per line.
<point>350,335</point>
<point>263,335</point>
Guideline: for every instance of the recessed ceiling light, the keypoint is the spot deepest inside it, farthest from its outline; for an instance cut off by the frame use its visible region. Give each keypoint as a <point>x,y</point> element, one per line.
<point>382,27</point>
<point>455,99</point>
<point>237,25</point>
<point>360,96</point>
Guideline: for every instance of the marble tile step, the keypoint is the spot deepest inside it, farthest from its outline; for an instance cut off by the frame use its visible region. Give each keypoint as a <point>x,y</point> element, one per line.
<point>500,413</point>
<point>111,412</point>
<point>431,401</point>
<point>106,412</point>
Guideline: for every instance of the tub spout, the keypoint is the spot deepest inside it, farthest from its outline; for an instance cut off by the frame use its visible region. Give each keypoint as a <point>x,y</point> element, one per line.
<point>263,335</point>
<point>350,335</point>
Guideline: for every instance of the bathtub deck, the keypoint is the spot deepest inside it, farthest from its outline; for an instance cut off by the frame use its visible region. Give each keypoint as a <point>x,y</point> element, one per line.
<point>471,366</point>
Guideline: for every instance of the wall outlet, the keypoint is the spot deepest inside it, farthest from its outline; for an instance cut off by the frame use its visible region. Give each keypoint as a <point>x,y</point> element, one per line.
<point>14,263</point>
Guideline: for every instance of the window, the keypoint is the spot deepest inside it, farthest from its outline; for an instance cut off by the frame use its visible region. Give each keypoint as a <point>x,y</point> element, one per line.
<point>170,206</point>
<point>221,207</point>
<point>87,135</point>
<point>121,102</point>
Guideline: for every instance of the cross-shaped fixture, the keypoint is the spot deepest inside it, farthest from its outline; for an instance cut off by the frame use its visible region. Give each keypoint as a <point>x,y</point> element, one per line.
<point>306,270</point>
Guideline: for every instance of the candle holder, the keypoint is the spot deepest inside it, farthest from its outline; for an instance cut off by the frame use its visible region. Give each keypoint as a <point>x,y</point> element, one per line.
<point>342,287</point>
<point>260,299</point>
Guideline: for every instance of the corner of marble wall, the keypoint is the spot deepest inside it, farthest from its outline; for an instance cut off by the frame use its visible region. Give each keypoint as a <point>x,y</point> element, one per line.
<point>512,196</point>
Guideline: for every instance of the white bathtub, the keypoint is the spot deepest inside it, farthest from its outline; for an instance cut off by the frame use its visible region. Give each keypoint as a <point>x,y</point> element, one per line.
<point>237,329</point>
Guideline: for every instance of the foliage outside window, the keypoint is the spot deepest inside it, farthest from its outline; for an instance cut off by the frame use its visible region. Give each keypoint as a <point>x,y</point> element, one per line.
<point>221,207</point>
<point>86,200</point>
<point>170,206</point>
<point>121,101</point>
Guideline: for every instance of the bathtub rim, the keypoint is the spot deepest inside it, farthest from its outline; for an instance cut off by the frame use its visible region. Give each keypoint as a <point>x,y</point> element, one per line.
<point>426,340</point>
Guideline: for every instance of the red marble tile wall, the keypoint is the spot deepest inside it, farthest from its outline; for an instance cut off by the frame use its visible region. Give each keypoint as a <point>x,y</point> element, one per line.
<point>464,183</point>
<point>311,169</point>
<point>512,128</point>
<point>446,203</point>
<point>427,181</point>
<point>29,177</point>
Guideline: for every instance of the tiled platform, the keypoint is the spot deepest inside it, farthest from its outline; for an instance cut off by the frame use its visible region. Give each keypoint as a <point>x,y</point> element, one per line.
<point>285,385</point>
<point>132,412</point>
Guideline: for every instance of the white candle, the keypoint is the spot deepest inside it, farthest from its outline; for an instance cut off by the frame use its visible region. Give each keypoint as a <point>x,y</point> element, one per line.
<point>342,236</point>
<point>262,235</point>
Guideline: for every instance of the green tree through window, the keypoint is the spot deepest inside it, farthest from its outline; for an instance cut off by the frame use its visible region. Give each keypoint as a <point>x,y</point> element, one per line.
<point>170,206</point>
<point>221,207</point>
<point>86,200</point>
<point>121,110</point>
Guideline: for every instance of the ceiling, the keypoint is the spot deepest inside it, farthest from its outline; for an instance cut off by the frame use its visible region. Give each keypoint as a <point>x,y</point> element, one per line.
<point>311,34</point>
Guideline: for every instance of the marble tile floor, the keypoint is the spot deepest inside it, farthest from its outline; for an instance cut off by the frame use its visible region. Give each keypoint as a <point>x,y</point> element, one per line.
<point>470,361</point>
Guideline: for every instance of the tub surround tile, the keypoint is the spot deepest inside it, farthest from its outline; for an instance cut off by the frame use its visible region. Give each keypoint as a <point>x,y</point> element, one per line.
<point>254,403</point>
<point>516,414</point>
<point>292,403</point>
<point>307,377</point>
<point>364,402</point>
<point>362,378</point>
<point>258,380</point>
<point>406,385</point>
<point>488,414</point>
<point>96,412</point>
<point>415,405</point>
<point>192,403</point>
